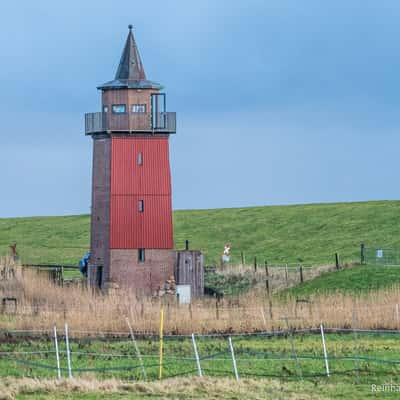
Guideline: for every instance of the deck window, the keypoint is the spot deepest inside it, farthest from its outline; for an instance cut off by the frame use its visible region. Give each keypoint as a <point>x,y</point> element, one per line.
<point>139,108</point>
<point>119,108</point>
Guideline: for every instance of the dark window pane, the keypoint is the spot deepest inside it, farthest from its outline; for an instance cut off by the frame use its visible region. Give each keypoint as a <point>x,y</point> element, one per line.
<point>141,206</point>
<point>141,255</point>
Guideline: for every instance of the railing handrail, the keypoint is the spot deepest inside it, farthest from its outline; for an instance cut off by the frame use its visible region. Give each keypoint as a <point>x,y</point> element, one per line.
<point>96,122</point>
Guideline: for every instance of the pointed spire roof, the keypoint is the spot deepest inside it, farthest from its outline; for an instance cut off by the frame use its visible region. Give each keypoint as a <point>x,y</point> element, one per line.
<point>130,67</point>
<point>130,72</point>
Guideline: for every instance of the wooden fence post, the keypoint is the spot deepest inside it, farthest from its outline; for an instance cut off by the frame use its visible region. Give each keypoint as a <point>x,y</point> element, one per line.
<point>266,276</point>
<point>337,261</point>
<point>301,274</point>
<point>363,258</point>
<point>255,264</point>
<point>286,275</point>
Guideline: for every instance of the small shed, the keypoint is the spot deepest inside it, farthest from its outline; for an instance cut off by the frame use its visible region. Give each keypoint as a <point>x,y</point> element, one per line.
<point>189,270</point>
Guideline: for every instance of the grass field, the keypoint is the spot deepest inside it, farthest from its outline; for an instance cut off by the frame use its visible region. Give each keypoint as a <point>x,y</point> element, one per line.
<point>355,280</point>
<point>260,359</point>
<point>309,234</point>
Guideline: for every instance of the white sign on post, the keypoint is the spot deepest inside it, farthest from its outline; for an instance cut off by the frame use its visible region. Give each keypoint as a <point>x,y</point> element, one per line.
<point>379,253</point>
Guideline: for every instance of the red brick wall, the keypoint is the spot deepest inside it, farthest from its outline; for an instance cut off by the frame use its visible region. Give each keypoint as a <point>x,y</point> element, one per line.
<point>100,216</point>
<point>145,278</point>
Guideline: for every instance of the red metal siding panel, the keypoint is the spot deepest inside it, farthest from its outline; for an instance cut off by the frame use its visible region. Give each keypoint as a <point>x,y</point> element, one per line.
<point>150,182</point>
<point>131,229</point>
<point>129,178</point>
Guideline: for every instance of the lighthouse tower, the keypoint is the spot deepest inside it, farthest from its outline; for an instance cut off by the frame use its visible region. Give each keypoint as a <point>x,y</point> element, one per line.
<point>131,219</point>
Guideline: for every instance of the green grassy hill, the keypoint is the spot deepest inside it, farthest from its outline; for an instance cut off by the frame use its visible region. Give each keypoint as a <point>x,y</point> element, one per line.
<point>281,234</point>
<point>355,280</point>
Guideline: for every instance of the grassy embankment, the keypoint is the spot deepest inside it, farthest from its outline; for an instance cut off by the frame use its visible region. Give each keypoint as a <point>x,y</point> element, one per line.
<point>357,280</point>
<point>309,234</point>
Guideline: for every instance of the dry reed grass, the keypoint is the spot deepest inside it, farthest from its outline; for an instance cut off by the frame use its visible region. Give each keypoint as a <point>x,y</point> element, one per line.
<point>42,304</point>
<point>280,276</point>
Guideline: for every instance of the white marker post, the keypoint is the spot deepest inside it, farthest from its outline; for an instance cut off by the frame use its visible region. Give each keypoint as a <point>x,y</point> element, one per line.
<point>264,320</point>
<point>137,349</point>
<point>233,359</point>
<point>68,353</point>
<point>57,355</point>
<point>197,356</point>
<point>325,352</point>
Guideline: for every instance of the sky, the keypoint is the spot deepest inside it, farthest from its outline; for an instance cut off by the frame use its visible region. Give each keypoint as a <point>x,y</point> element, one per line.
<point>278,102</point>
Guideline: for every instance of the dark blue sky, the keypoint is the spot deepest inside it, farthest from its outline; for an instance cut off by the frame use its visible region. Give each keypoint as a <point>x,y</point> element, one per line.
<point>278,101</point>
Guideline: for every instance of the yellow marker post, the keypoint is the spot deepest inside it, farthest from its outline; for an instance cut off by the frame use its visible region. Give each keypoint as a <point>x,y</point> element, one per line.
<point>161,340</point>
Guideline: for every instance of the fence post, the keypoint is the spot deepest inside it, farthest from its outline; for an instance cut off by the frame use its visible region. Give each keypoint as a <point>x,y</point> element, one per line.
<point>68,352</point>
<point>325,352</point>
<point>266,276</point>
<point>337,261</point>
<point>264,320</point>
<point>301,274</point>
<point>362,259</point>
<point>242,257</point>
<point>161,341</point>
<point>294,354</point>
<point>197,356</point>
<point>286,275</point>
<point>255,264</point>
<point>57,355</point>
<point>137,349</point>
<point>233,358</point>
<point>356,366</point>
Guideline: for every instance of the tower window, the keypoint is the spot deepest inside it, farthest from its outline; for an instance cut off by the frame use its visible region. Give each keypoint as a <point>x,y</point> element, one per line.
<point>141,255</point>
<point>141,206</point>
<point>119,108</point>
<point>140,158</point>
<point>139,108</point>
<point>105,109</point>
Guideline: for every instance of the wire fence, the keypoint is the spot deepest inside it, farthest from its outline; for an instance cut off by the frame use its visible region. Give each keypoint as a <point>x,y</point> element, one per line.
<point>357,355</point>
<point>386,257</point>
